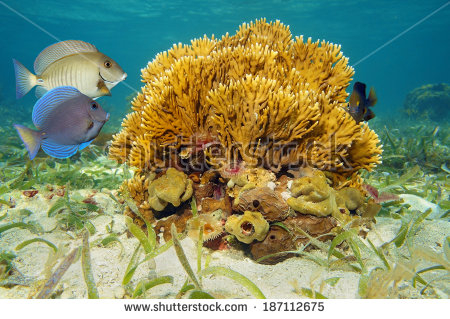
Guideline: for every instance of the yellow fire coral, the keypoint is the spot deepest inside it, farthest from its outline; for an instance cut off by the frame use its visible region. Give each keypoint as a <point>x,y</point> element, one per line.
<point>266,98</point>
<point>259,97</point>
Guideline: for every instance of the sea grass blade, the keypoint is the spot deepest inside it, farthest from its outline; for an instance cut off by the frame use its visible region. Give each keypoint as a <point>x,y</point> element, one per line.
<point>241,279</point>
<point>208,260</point>
<point>200,294</point>
<point>318,243</point>
<point>90,227</point>
<point>380,254</point>
<point>132,265</point>
<point>400,238</point>
<point>14,184</point>
<point>145,285</point>
<point>447,248</point>
<point>312,294</point>
<point>199,249</point>
<point>36,240</point>
<point>57,206</point>
<point>109,239</point>
<point>338,240</point>
<point>185,288</point>
<point>159,250</point>
<point>151,237</point>
<point>354,247</point>
<point>391,141</point>
<point>5,202</point>
<point>57,275</point>
<point>105,242</point>
<point>415,225</point>
<point>140,235</point>
<point>194,208</point>
<point>403,179</point>
<point>332,281</point>
<point>436,267</point>
<point>419,278</point>
<point>6,227</point>
<point>182,256</point>
<point>87,268</point>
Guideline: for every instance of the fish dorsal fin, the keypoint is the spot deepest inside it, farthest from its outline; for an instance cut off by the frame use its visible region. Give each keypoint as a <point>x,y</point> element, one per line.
<point>372,99</point>
<point>50,100</point>
<point>60,50</point>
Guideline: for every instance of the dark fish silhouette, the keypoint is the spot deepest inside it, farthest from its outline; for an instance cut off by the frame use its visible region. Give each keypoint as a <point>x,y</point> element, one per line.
<point>66,121</point>
<point>359,106</point>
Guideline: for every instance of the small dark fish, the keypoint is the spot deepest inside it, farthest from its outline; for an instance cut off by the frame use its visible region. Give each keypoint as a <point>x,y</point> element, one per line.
<point>67,121</point>
<point>359,105</point>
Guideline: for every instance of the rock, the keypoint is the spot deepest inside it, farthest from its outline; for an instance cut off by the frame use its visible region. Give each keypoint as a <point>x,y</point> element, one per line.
<point>421,204</point>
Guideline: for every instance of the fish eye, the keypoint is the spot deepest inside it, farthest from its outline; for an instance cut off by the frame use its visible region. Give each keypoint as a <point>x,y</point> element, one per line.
<point>94,106</point>
<point>107,64</point>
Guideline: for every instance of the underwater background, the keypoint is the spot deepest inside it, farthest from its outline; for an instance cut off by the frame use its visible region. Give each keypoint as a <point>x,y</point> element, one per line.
<point>394,46</point>
<point>133,32</point>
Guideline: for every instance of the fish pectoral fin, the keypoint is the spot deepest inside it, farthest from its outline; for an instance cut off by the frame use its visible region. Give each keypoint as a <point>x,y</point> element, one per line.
<point>103,88</point>
<point>84,145</point>
<point>372,99</point>
<point>40,91</point>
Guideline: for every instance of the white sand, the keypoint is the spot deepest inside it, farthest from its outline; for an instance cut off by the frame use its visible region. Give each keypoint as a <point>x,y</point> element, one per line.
<point>275,281</point>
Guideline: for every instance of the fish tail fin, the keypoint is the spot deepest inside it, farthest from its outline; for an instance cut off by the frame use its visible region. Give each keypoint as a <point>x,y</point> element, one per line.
<point>372,99</point>
<point>31,138</point>
<point>25,80</point>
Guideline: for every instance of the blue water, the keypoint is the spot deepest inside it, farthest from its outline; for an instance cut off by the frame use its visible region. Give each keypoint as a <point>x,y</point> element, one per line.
<point>133,32</point>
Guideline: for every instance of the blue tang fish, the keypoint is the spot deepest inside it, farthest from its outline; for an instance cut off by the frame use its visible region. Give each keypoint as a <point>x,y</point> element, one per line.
<point>359,105</point>
<point>66,121</point>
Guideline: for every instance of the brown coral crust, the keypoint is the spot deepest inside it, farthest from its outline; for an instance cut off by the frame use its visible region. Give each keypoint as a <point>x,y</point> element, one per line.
<point>266,201</point>
<point>277,240</point>
<point>314,226</point>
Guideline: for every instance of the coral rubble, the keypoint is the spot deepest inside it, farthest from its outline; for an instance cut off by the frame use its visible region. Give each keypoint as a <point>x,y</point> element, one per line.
<point>233,122</point>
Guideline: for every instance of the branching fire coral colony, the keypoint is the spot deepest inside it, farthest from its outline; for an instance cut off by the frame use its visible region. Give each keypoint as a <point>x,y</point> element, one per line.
<point>253,127</point>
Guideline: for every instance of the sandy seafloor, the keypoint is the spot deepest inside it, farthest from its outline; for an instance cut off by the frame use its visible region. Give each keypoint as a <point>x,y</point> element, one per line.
<point>275,281</point>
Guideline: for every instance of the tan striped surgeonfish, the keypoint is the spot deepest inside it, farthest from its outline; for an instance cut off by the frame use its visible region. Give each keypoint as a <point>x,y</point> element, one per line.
<point>70,63</point>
